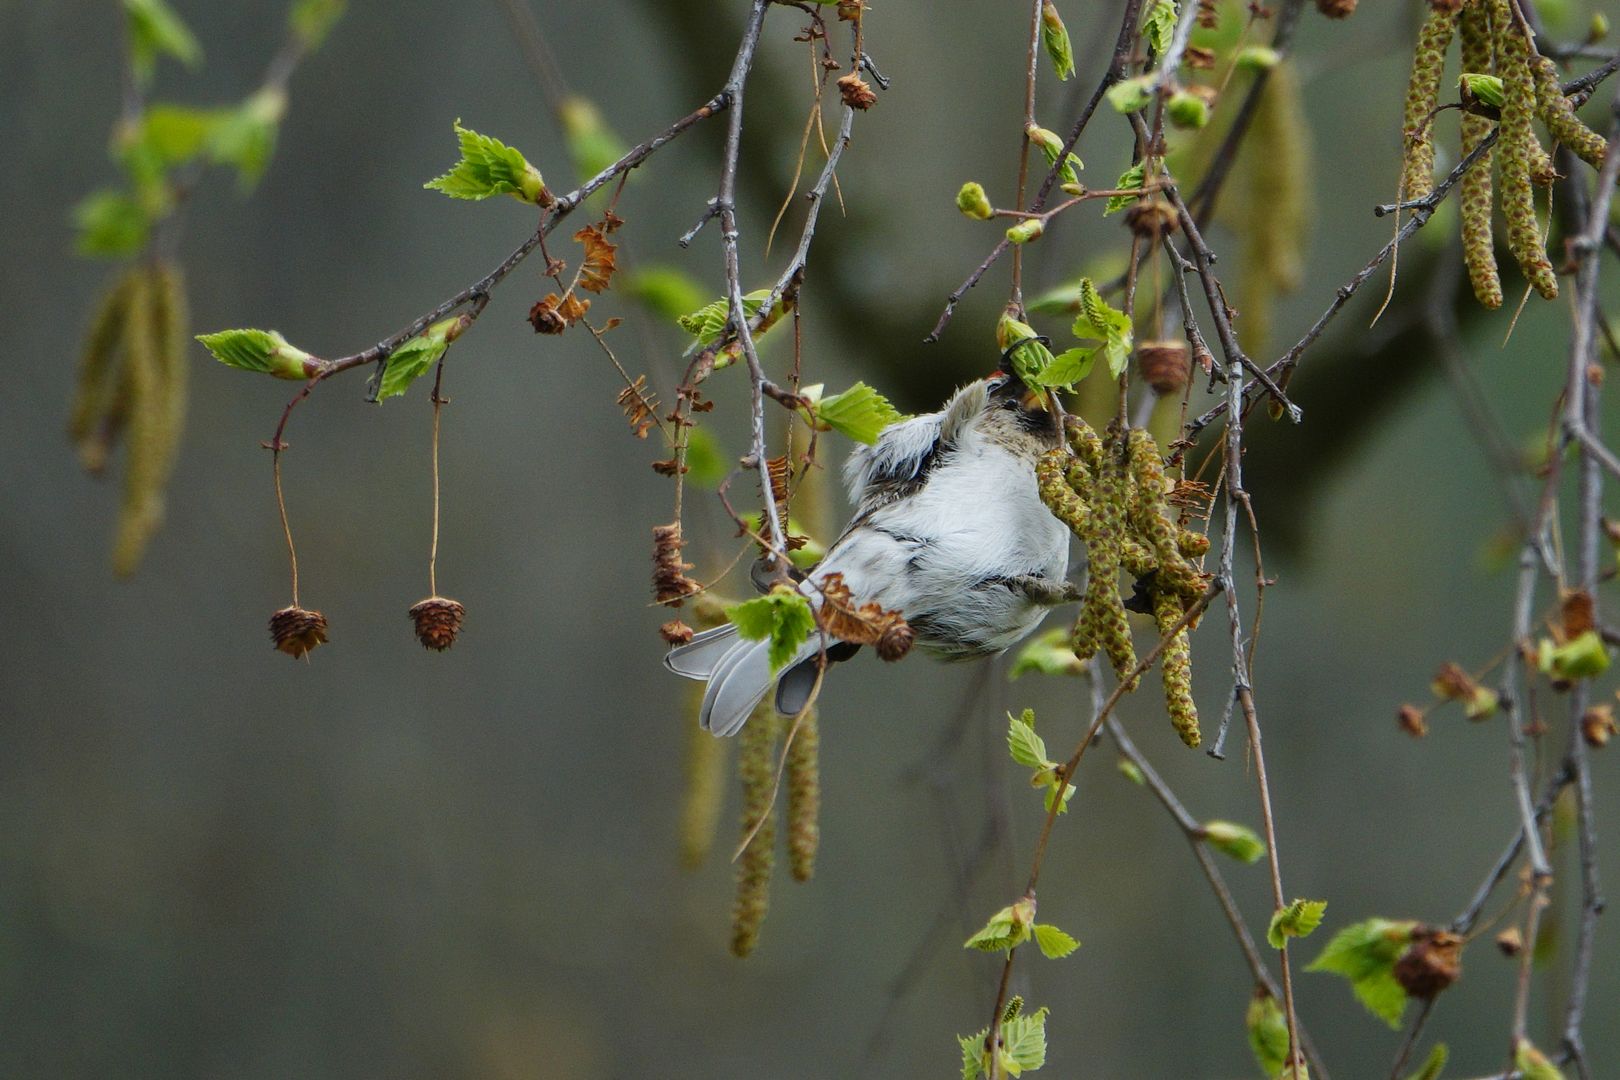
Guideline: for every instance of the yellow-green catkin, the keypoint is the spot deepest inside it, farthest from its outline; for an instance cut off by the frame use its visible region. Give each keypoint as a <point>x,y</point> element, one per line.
<point>1175,664</point>
<point>1270,205</point>
<point>1194,545</point>
<point>1102,600</point>
<point>756,766</point>
<point>804,796</point>
<point>1084,442</point>
<point>1151,516</point>
<point>99,384</point>
<point>1474,190</point>
<point>704,795</point>
<point>1422,97</point>
<point>1518,151</point>
<point>1559,116</point>
<point>146,443</point>
<point>171,335</point>
<point>1053,482</point>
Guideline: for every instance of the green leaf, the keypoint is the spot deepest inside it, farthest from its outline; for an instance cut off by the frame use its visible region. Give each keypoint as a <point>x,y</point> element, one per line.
<point>1432,1066</point>
<point>706,464</point>
<point>311,20</point>
<point>1365,953</point>
<point>665,290</point>
<point>1055,36</point>
<point>1054,943</point>
<point>414,358</point>
<point>1131,771</point>
<point>1051,784</point>
<point>1160,25</point>
<point>1257,58</point>
<point>1031,356</point>
<point>1051,144</point>
<point>592,145</point>
<point>176,133</point>
<point>1023,1043</point>
<point>782,615</point>
<point>1047,654</point>
<point>1533,1064</point>
<point>1100,321</point>
<point>1027,748</point>
<point>1067,368</point>
<point>1007,928</point>
<point>859,412</point>
<point>1238,841</point>
<point>245,137</point>
<point>262,351</point>
<point>708,322</point>
<point>1131,95</point>
<point>1298,919</point>
<point>1268,1033</point>
<point>1579,658</point>
<point>1486,89</point>
<point>111,224</point>
<point>1131,179</point>
<point>155,30</point>
<point>488,167</point>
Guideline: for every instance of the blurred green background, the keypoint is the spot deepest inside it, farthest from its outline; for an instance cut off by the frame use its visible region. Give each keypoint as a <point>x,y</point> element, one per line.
<point>218,863</point>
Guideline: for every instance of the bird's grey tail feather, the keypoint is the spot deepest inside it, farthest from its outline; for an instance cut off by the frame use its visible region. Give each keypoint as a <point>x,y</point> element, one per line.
<point>740,681</point>
<point>699,657</point>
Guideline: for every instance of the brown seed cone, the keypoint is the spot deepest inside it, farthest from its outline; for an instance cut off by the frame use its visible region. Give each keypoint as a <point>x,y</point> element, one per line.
<point>804,797</point>
<point>1422,95</point>
<point>756,766</point>
<point>1336,9</point>
<point>297,631</point>
<point>1152,219</point>
<point>855,92</point>
<point>1431,963</point>
<point>1166,365</point>
<point>676,632</point>
<point>1474,191</point>
<point>1412,721</point>
<point>545,318</point>
<point>896,641</point>
<point>670,583</point>
<point>1518,150</point>
<point>438,621</point>
<point>1598,726</point>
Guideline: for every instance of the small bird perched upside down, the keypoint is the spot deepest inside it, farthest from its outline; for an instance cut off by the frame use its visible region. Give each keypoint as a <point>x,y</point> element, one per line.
<point>949,529</point>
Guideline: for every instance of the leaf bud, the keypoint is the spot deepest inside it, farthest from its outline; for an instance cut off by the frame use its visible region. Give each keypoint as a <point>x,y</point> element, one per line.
<point>973,202</point>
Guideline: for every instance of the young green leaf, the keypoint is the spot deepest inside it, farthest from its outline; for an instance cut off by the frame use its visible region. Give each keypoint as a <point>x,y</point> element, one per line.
<point>1160,25</point>
<point>1365,953</point>
<point>1029,355</point>
<point>1051,144</point>
<point>312,20</point>
<point>708,322</point>
<point>1485,89</point>
<point>489,167</point>
<point>1131,771</point>
<point>1054,943</point>
<point>1023,1044</point>
<point>1048,654</point>
<point>1007,928</point>
<point>263,351</point>
<point>1268,1033</point>
<point>859,412</point>
<point>1055,36</point>
<point>155,30</point>
<point>1533,1064</point>
<point>1257,58</point>
<point>1433,1064</point>
<point>1101,322</point>
<point>175,134</point>
<point>706,464</point>
<point>1238,841</point>
<point>592,145</point>
<point>1131,95</point>
<point>1027,748</point>
<point>1298,919</point>
<point>1131,179</point>
<point>665,290</point>
<point>1066,368</point>
<point>111,225</point>
<point>1050,782</point>
<point>414,358</point>
<point>1579,658</point>
<point>245,137</point>
<point>782,615</point>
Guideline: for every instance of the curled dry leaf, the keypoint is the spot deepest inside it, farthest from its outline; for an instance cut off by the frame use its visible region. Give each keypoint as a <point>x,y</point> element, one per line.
<point>868,624</point>
<point>639,406</point>
<point>601,258</point>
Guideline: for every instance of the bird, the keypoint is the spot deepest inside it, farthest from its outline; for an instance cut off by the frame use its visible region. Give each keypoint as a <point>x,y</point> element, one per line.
<point>949,529</point>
